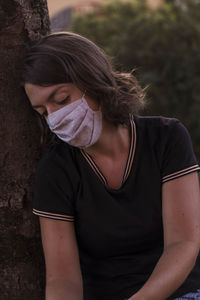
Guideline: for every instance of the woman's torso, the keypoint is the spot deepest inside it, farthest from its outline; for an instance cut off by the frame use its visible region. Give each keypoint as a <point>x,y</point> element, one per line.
<point>119,231</point>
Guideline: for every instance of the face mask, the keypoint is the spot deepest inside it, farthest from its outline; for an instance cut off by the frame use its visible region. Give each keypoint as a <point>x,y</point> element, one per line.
<point>76,124</point>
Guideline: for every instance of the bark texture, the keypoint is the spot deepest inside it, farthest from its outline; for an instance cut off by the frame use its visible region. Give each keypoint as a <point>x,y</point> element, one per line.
<point>22,263</point>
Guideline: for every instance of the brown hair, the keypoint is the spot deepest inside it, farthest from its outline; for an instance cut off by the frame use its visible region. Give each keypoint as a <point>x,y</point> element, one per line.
<point>64,57</point>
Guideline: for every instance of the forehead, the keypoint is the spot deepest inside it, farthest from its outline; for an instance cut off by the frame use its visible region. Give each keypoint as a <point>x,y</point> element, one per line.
<point>37,94</point>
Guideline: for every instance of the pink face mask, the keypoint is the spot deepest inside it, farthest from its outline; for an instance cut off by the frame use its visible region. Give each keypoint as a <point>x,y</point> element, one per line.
<point>76,124</point>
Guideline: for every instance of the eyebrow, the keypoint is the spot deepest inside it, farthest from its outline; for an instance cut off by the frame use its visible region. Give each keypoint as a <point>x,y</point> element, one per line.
<point>50,96</point>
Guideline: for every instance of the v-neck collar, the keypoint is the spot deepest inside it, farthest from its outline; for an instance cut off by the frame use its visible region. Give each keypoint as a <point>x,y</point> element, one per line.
<point>129,161</point>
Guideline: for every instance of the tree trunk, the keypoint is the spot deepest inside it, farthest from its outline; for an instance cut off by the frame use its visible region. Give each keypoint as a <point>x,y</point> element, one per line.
<point>21,257</point>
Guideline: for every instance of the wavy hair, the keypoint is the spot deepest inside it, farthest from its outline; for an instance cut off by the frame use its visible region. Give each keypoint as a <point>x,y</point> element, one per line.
<point>66,57</point>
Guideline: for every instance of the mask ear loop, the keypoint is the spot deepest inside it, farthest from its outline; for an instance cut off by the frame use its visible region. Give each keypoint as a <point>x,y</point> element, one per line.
<point>84,94</point>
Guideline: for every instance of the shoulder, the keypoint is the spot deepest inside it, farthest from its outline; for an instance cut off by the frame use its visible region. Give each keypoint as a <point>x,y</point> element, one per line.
<point>57,156</point>
<point>157,128</point>
<point>153,122</point>
<point>171,143</point>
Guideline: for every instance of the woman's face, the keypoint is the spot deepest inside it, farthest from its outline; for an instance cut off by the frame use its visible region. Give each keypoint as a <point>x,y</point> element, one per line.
<point>46,100</point>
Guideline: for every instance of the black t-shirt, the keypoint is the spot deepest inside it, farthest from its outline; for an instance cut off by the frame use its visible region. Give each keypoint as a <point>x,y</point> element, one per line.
<point>119,231</point>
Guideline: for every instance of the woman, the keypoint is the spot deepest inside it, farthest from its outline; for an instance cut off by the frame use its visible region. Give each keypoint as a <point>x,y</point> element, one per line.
<point>118,195</point>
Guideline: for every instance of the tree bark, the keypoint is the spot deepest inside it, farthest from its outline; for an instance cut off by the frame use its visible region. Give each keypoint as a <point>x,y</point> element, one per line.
<point>21,257</point>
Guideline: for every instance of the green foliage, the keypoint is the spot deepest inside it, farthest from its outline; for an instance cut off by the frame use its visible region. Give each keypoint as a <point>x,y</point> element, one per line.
<point>164,47</point>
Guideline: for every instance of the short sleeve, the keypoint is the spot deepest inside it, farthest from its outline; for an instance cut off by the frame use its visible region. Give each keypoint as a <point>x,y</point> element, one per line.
<point>53,196</point>
<point>178,157</point>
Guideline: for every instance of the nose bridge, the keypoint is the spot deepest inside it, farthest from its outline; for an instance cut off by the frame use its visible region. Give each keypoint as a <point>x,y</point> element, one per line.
<point>49,108</point>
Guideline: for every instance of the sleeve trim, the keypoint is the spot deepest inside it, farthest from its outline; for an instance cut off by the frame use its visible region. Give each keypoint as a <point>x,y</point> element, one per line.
<point>53,215</point>
<point>181,173</point>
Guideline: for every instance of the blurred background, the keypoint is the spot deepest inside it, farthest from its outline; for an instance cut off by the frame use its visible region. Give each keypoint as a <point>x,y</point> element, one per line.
<point>160,39</point>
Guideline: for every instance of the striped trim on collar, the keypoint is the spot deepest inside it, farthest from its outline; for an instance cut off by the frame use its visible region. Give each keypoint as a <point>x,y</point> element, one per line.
<point>130,158</point>
<point>131,150</point>
<point>94,166</point>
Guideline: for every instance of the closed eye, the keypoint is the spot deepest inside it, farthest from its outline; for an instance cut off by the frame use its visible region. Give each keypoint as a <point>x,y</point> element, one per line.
<point>64,101</point>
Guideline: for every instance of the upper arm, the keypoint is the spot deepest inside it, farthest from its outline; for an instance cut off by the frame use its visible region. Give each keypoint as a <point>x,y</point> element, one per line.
<point>181,209</point>
<point>56,185</point>
<point>60,250</point>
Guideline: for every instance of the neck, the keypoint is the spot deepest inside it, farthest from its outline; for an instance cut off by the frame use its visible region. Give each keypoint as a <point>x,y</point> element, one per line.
<point>113,141</point>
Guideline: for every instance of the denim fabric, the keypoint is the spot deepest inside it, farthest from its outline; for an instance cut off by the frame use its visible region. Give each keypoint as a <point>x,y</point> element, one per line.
<point>190,296</point>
